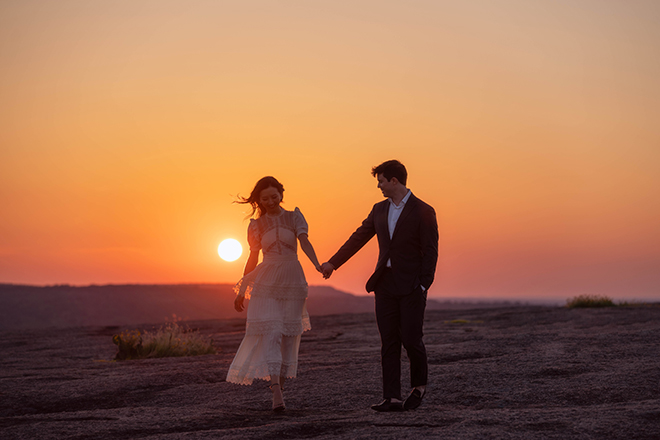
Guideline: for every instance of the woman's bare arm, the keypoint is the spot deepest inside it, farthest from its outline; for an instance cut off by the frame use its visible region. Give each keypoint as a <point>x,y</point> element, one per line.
<point>251,262</point>
<point>308,249</point>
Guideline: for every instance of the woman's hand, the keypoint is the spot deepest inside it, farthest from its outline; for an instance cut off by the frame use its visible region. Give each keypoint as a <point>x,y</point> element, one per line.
<point>238,303</point>
<point>308,249</point>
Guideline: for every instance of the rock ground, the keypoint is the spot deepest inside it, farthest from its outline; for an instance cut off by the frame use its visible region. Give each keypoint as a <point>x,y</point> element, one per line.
<point>510,373</point>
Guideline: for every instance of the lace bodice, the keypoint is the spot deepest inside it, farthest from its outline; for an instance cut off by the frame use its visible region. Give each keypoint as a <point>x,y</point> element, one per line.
<point>277,236</point>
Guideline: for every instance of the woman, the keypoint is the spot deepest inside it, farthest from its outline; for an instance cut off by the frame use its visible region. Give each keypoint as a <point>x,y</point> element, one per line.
<point>277,289</point>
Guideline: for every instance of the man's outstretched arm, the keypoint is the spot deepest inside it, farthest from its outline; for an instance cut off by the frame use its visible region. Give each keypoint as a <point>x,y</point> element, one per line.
<point>355,242</point>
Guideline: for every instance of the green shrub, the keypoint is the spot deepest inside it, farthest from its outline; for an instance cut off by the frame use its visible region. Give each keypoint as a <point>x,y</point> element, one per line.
<point>584,301</point>
<point>172,339</point>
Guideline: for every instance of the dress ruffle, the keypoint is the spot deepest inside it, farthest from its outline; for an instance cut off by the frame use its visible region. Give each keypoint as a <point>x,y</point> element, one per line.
<point>263,370</point>
<point>291,328</point>
<point>272,338</point>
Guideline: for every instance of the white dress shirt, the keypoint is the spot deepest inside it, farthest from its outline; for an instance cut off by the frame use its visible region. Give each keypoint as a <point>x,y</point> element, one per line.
<point>393,217</point>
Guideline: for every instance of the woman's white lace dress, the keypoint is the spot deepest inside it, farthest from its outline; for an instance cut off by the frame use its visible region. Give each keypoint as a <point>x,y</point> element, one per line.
<point>277,312</point>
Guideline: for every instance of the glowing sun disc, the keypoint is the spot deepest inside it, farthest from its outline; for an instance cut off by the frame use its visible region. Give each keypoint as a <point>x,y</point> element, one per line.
<point>230,249</point>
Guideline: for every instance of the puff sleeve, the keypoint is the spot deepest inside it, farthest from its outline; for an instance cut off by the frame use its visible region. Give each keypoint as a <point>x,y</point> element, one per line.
<point>254,236</point>
<point>300,223</point>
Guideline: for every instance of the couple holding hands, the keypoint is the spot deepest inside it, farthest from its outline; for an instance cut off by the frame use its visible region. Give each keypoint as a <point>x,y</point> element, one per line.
<point>407,233</point>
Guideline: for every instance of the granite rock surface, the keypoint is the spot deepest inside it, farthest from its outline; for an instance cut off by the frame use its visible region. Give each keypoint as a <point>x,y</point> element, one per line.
<point>510,373</point>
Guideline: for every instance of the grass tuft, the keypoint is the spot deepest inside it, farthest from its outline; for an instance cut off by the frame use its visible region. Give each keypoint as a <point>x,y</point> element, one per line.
<point>587,301</point>
<point>173,339</point>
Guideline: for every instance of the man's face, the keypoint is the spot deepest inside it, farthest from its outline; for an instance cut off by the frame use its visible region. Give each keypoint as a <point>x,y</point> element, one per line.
<point>386,187</point>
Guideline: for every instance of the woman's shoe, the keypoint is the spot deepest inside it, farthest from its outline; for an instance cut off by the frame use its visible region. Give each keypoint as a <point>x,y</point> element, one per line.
<point>279,407</point>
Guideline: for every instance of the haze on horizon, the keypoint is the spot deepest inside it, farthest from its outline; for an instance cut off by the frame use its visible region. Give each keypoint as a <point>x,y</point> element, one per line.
<point>128,128</point>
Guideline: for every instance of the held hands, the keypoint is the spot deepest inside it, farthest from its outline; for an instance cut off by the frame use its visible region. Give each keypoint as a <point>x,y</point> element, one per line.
<point>327,269</point>
<point>320,269</point>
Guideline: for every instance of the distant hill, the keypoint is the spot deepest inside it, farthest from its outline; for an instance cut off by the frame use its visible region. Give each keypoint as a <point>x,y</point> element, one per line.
<point>25,307</point>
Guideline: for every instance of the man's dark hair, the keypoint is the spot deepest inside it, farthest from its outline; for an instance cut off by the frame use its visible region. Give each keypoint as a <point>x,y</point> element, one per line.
<point>391,168</point>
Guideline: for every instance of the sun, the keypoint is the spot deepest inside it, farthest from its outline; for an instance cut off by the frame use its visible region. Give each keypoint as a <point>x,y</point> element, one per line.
<point>230,249</point>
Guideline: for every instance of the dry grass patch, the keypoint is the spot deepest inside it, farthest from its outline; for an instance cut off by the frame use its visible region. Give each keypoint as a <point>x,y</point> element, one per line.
<point>587,301</point>
<point>173,339</point>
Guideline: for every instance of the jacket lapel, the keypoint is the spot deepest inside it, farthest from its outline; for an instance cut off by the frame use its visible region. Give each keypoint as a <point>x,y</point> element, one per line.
<point>381,221</point>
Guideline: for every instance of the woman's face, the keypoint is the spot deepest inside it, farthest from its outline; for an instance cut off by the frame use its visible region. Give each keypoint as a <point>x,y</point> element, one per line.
<point>270,199</point>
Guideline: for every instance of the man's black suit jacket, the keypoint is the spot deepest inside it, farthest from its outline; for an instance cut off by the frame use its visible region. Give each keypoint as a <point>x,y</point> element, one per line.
<point>413,248</point>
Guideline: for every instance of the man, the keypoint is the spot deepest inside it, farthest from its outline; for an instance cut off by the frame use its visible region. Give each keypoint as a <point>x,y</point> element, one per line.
<point>407,233</point>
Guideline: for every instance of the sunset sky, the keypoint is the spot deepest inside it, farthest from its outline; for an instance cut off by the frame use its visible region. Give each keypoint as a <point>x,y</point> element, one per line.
<point>128,128</point>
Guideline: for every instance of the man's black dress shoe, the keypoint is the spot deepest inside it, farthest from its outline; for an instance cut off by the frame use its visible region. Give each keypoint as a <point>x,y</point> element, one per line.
<point>414,400</point>
<point>388,405</point>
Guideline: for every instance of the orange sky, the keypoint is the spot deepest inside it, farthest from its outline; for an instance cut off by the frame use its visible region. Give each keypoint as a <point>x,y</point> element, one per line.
<point>127,128</point>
